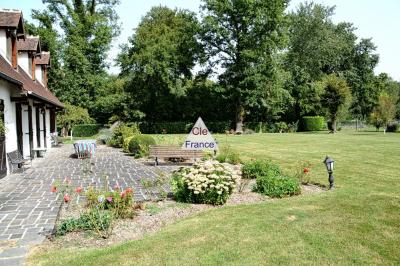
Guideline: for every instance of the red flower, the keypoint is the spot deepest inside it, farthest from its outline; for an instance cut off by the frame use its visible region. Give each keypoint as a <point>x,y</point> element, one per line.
<point>128,190</point>
<point>306,170</point>
<point>53,189</point>
<point>78,189</point>
<point>67,198</point>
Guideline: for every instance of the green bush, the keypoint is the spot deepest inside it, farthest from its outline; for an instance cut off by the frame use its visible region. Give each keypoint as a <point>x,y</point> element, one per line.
<point>257,168</point>
<point>93,219</point>
<point>85,130</point>
<point>207,182</point>
<point>393,127</point>
<point>125,144</point>
<point>277,186</point>
<point>313,123</point>
<point>139,145</point>
<point>122,132</point>
<point>226,155</point>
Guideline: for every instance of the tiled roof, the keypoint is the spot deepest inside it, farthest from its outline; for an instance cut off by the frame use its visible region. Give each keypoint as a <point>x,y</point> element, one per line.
<point>30,43</point>
<point>21,78</point>
<point>44,59</point>
<point>10,18</point>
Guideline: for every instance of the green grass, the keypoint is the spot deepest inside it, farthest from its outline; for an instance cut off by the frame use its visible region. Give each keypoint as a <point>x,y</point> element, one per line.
<point>357,223</point>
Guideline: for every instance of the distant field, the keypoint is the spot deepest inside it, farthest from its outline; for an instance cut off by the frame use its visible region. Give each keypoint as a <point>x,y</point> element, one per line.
<point>357,223</point>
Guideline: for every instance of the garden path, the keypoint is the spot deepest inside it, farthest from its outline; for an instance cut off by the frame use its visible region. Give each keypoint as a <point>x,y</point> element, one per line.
<point>28,210</point>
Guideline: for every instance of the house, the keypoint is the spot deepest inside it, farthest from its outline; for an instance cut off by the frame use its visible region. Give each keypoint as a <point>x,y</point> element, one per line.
<point>27,106</point>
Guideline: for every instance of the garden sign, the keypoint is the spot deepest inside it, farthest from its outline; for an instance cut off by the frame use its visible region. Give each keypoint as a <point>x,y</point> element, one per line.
<point>200,138</point>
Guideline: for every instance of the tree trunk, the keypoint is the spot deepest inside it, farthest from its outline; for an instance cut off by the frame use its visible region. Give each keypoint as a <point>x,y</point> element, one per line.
<point>239,120</point>
<point>333,124</point>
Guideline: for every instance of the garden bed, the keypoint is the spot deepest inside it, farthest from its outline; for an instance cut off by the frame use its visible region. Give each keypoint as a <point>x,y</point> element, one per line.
<point>151,218</point>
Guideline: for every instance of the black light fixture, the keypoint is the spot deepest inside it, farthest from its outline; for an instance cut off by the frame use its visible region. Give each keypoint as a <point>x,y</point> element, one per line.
<point>329,163</point>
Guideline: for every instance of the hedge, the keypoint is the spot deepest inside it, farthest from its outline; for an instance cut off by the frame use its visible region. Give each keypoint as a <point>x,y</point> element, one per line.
<point>179,127</point>
<point>86,130</point>
<point>313,123</point>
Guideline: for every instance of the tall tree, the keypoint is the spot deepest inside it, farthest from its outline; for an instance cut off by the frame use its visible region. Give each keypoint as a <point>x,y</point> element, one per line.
<point>361,79</point>
<point>242,36</point>
<point>317,47</point>
<point>159,59</point>
<point>335,98</point>
<point>87,29</point>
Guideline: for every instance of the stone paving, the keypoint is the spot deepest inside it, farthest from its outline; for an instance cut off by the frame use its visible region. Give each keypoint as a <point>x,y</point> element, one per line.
<point>28,210</point>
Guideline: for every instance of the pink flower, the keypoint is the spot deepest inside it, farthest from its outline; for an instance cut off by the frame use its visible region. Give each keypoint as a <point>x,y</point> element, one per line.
<point>109,199</point>
<point>116,187</point>
<point>122,194</point>
<point>78,189</point>
<point>67,198</point>
<point>53,189</point>
<point>128,190</point>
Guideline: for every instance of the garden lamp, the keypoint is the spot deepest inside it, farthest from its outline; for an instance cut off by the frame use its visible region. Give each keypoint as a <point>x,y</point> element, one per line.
<point>329,162</point>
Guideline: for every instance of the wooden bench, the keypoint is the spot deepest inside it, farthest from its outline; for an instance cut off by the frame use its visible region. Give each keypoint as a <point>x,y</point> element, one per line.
<point>173,153</point>
<point>16,158</point>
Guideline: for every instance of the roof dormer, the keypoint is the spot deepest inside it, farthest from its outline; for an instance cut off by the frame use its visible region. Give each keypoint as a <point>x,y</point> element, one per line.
<point>42,64</point>
<point>11,29</point>
<point>28,49</point>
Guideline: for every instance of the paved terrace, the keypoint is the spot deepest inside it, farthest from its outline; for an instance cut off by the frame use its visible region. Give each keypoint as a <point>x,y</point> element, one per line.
<point>28,210</point>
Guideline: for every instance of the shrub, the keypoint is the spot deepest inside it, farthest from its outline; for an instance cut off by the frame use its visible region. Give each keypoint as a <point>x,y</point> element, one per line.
<point>119,202</point>
<point>281,127</point>
<point>85,130</point>
<point>207,182</point>
<point>226,155</point>
<point>125,144</point>
<point>277,186</point>
<point>313,123</point>
<point>93,219</point>
<point>257,168</point>
<point>122,132</point>
<point>392,127</point>
<point>139,145</point>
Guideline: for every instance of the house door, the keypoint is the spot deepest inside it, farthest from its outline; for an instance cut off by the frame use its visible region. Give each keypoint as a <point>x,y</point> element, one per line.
<point>30,131</point>
<point>19,127</point>
<point>3,162</point>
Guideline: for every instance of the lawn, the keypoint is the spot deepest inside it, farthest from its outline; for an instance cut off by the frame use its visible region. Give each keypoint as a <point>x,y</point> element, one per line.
<point>357,223</point>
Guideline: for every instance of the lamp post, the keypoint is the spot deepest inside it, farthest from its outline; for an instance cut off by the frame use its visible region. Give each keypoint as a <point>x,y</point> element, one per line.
<point>329,162</point>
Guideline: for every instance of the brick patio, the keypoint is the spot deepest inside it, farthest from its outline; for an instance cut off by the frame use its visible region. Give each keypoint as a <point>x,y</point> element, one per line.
<point>28,210</point>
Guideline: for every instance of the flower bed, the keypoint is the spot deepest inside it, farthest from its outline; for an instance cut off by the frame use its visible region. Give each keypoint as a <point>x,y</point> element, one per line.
<point>208,182</point>
<point>99,211</point>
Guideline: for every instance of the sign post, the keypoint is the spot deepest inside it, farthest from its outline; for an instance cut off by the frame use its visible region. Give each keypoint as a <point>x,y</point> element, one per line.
<point>200,138</point>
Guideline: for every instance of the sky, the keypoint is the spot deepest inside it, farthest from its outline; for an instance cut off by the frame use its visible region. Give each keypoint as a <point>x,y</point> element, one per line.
<point>374,19</point>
